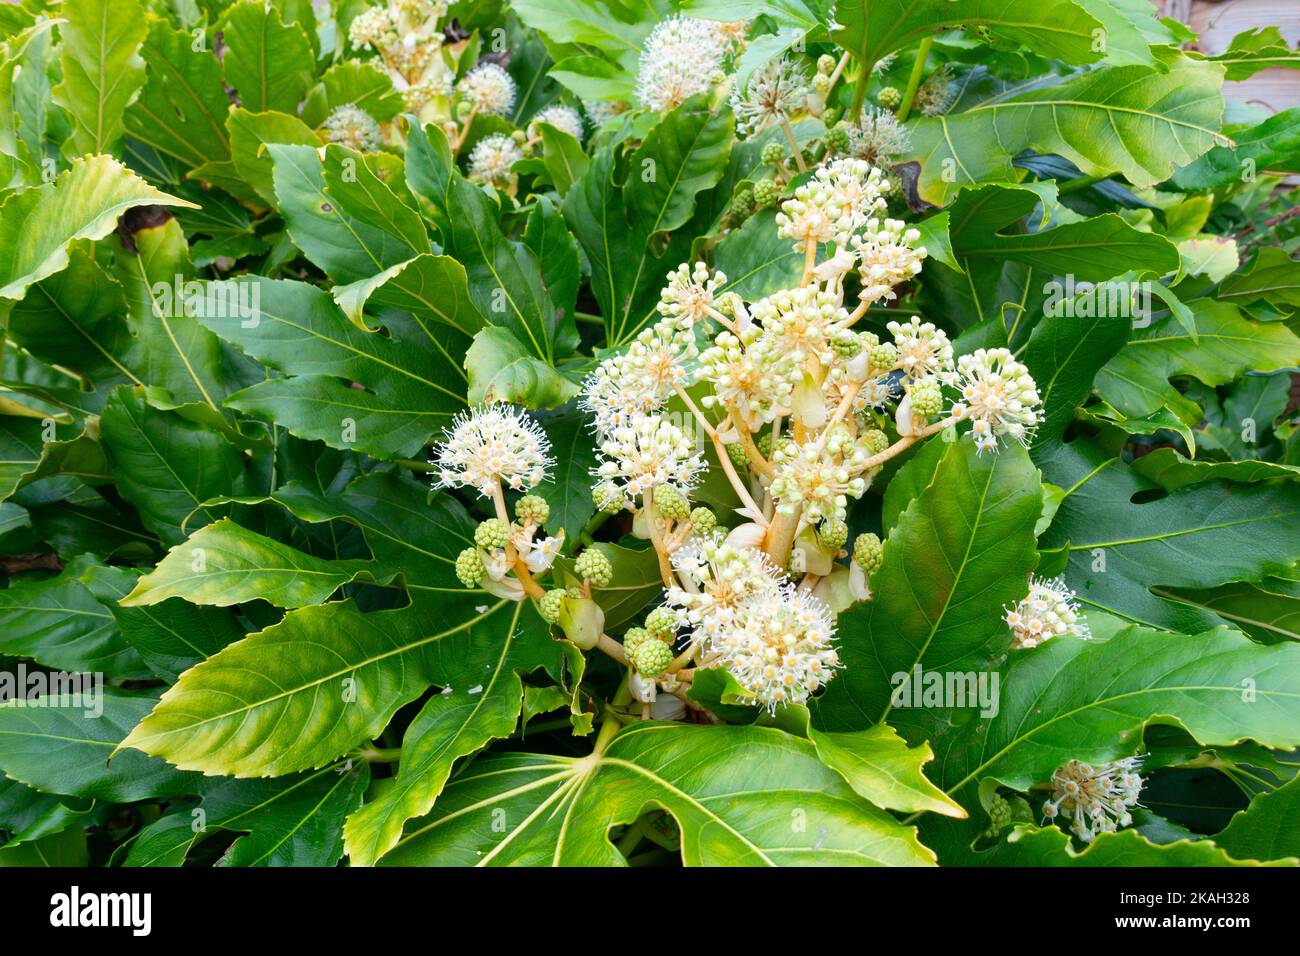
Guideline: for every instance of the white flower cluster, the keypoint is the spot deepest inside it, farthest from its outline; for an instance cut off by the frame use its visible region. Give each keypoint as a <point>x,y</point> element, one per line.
<point>998,395</point>
<point>1095,799</point>
<point>878,138</point>
<point>681,57</point>
<point>1049,610</point>
<point>887,256</point>
<point>493,157</point>
<point>351,126</point>
<point>493,446</point>
<point>488,88</point>
<point>407,35</point>
<point>564,118</point>
<point>834,204</point>
<point>775,92</point>
<point>644,454</point>
<point>777,641</point>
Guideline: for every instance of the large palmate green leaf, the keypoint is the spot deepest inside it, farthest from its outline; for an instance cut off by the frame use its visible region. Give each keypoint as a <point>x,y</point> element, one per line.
<point>169,466</point>
<point>1138,121</point>
<point>38,224</point>
<point>1273,145</point>
<point>961,551</point>
<point>1137,380</point>
<point>268,62</point>
<point>482,701</point>
<point>1064,355</point>
<point>102,70</point>
<point>1197,536</point>
<point>182,109</point>
<point>747,796</point>
<point>65,749</point>
<point>224,564</point>
<point>872,29</point>
<point>384,394</point>
<point>1266,830</point>
<point>293,821</point>
<point>618,208</point>
<point>59,623</point>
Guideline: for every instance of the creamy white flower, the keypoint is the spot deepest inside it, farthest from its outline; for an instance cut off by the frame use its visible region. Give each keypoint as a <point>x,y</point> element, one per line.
<point>493,445</point>
<point>682,56</point>
<point>935,96</point>
<point>775,90</point>
<point>755,380</point>
<point>645,453</point>
<point>564,118</point>
<point>353,127</point>
<point>998,395</point>
<point>625,387</point>
<point>1096,799</point>
<point>879,138</point>
<point>719,577</point>
<point>492,158</point>
<point>887,257</point>
<point>924,350</point>
<point>690,295</point>
<point>1049,610</point>
<point>817,482</point>
<point>798,323</point>
<point>488,88</point>
<point>780,647</point>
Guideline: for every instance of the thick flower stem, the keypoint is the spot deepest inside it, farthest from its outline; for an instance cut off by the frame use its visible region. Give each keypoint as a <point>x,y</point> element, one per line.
<point>652,519</point>
<point>794,143</point>
<point>780,537</point>
<point>914,81</point>
<point>723,458</point>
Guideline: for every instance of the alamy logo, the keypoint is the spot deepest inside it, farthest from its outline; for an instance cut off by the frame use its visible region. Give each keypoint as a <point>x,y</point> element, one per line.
<point>922,688</point>
<point>215,299</point>
<point>53,689</point>
<point>1113,298</point>
<point>74,908</point>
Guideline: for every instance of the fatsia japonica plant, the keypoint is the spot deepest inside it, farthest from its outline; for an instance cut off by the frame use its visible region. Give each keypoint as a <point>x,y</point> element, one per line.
<point>578,432</point>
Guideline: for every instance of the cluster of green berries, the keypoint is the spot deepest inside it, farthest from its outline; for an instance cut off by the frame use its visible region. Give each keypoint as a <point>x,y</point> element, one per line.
<point>742,204</point>
<point>647,652</point>
<point>607,498</point>
<point>594,567</point>
<point>890,98</point>
<point>868,552</point>
<point>766,193</point>
<point>832,534</point>
<point>533,508</point>
<point>736,452</point>
<point>874,441</point>
<point>703,521</point>
<point>837,138</point>
<point>470,568</point>
<point>927,397</point>
<point>671,503</point>
<point>490,534</point>
<point>884,356</point>
<point>999,812</point>
<point>549,606</point>
<point>772,154</point>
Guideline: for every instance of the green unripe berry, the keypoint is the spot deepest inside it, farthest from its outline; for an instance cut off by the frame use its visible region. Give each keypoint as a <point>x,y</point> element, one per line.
<point>846,344</point>
<point>703,521</point>
<point>837,140</point>
<point>463,109</point>
<point>765,444</point>
<point>868,552</point>
<point>736,452</point>
<point>671,503</point>
<point>549,606</point>
<point>766,193</point>
<point>662,623</point>
<point>874,441</point>
<point>890,98</point>
<point>633,639</point>
<point>469,568</point>
<point>826,64</point>
<point>593,566</point>
<point>652,657</point>
<point>831,115</point>
<point>608,499</point>
<point>821,83</point>
<point>884,356</point>
<point>533,508</point>
<point>999,812</point>
<point>493,533</point>
<point>742,203</point>
<point>927,398</point>
<point>772,154</point>
<point>832,533</point>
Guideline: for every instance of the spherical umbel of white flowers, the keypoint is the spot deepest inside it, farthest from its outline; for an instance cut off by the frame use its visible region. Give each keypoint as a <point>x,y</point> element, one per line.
<point>681,57</point>
<point>774,92</point>
<point>648,452</point>
<point>492,159</point>
<point>488,88</point>
<point>781,646</point>
<point>998,395</point>
<point>493,446</point>
<point>564,118</point>
<point>1049,610</point>
<point>1096,799</point>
